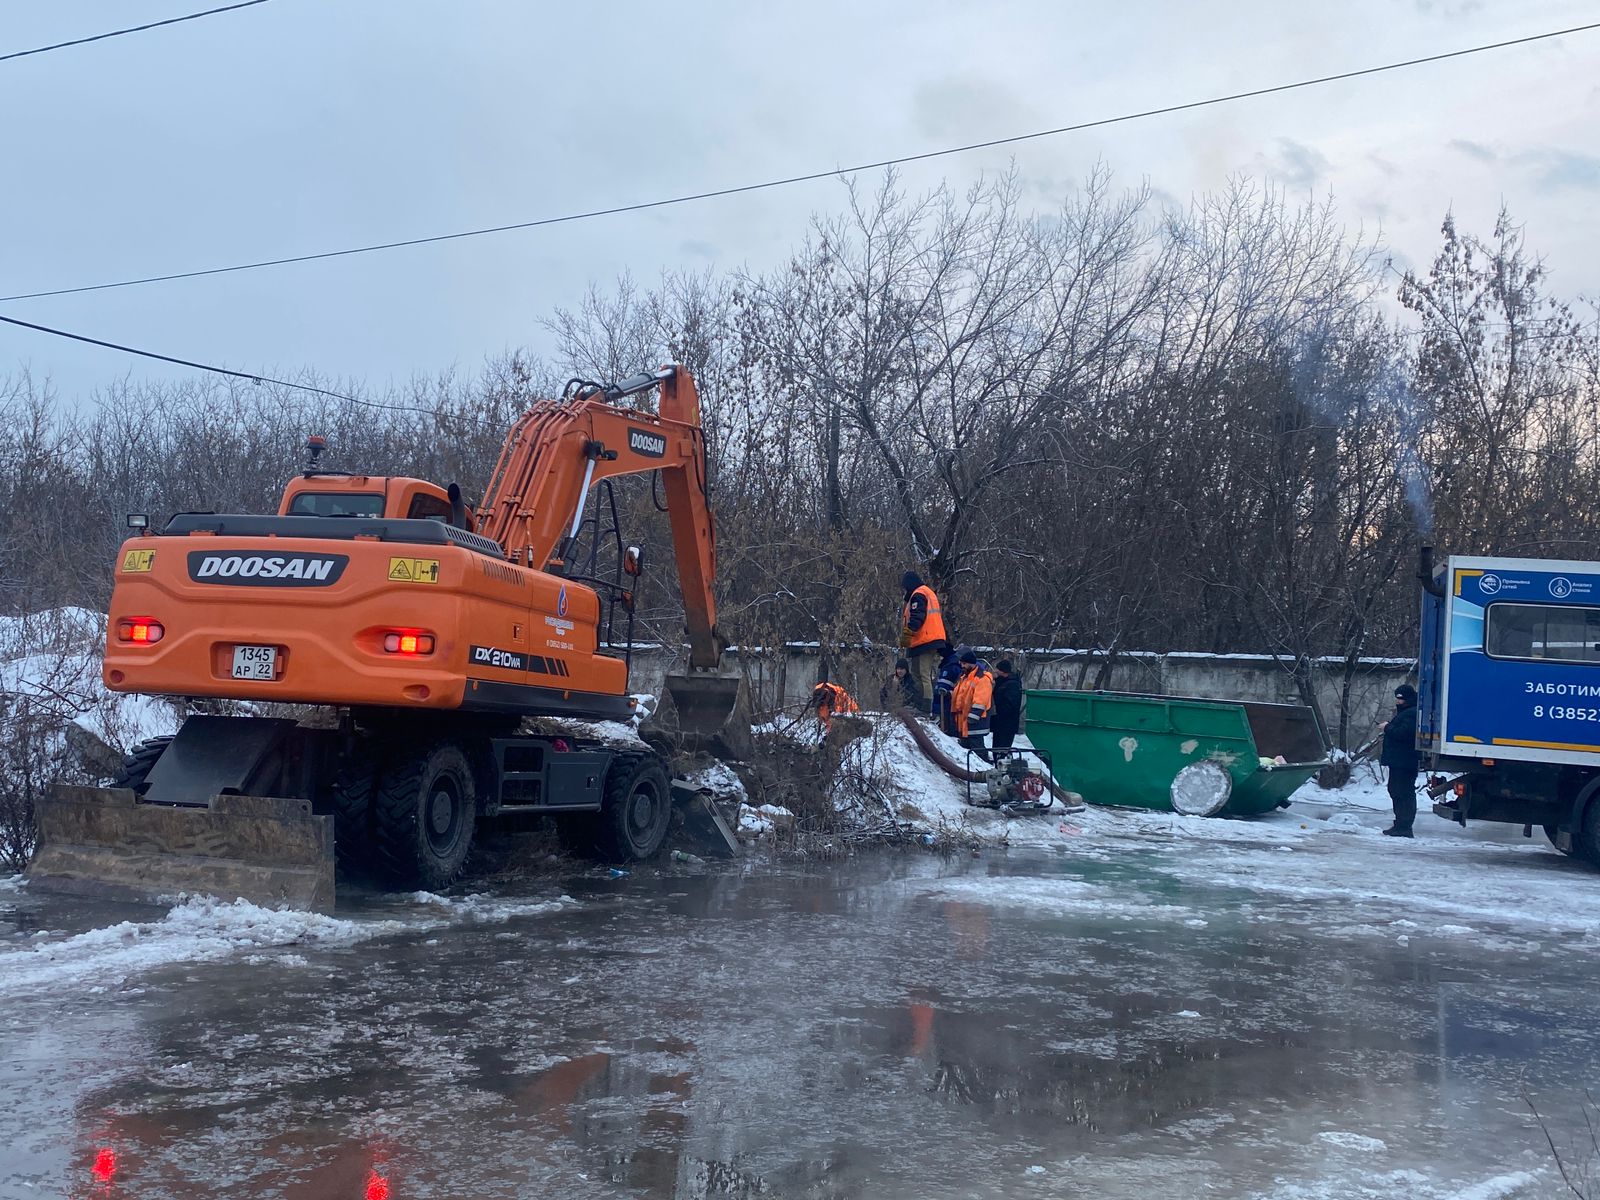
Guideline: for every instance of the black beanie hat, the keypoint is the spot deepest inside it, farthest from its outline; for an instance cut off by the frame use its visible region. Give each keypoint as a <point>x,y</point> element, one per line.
<point>901,664</point>
<point>1004,665</point>
<point>969,657</point>
<point>911,581</point>
<point>1406,692</point>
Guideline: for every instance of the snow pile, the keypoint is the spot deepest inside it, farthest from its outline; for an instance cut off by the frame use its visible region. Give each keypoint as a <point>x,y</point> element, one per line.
<point>205,929</point>
<point>1365,790</point>
<point>719,779</point>
<point>804,730</point>
<point>200,929</point>
<point>482,908</point>
<point>892,762</point>
<point>611,733</point>
<point>1353,1141</point>
<point>763,818</point>
<point>1410,1184</point>
<point>51,661</point>
<point>1052,897</point>
<point>50,685</point>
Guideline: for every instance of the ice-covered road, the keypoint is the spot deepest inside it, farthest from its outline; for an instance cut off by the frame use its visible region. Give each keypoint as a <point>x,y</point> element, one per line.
<point>1118,1005</point>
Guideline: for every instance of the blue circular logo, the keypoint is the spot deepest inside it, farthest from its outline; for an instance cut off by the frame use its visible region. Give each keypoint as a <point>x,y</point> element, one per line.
<point>561,602</point>
<point>1489,584</point>
<point>1560,587</point>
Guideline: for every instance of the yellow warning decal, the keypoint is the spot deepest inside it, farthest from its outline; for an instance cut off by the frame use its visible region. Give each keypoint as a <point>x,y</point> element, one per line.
<point>138,560</point>
<point>414,570</point>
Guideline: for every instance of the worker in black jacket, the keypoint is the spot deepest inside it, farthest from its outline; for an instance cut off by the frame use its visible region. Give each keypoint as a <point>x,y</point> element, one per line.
<point>1400,756</point>
<point>1006,719</point>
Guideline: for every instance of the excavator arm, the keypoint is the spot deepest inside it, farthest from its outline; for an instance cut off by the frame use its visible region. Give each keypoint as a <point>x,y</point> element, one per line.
<point>559,449</point>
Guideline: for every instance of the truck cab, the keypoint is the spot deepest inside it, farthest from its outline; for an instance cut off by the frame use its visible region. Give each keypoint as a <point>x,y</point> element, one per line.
<point>1509,694</point>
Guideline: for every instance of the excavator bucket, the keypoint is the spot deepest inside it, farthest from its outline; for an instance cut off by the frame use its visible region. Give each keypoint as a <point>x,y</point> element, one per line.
<point>106,842</point>
<point>704,713</point>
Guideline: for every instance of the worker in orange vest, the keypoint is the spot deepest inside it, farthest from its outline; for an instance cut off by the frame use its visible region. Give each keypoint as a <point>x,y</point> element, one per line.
<point>922,633</point>
<point>971,703</point>
<point>828,699</point>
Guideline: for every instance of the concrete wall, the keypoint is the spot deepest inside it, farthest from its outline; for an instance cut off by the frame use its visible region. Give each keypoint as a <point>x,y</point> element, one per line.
<point>784,679</point>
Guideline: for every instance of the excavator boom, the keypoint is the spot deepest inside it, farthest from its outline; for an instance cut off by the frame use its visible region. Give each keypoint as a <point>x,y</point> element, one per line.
<point>559,449</point>
<point>534,507</point>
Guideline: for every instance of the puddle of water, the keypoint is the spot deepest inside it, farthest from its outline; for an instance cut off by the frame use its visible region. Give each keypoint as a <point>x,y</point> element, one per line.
<point>1026,1024</point>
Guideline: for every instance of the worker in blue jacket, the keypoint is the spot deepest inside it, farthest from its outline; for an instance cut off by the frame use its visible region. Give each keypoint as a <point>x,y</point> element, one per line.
<point>944,685</point>
<point>1399,754</point>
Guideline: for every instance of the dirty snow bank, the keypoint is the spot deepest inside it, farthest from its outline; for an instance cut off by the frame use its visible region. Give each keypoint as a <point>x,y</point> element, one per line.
<point>484,908</point>
<point>200,929</point>
<point>204,929</point>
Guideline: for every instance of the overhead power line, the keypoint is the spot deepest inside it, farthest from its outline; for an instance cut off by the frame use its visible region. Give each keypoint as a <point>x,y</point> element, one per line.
<point>100,37</point>
<point>200,366</point>
<point>809,176</point>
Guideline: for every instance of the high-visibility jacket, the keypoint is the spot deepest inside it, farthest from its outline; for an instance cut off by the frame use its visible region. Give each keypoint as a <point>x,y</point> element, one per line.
<point>929,629</point>
<point>830,698</point>
<point>973,698</point>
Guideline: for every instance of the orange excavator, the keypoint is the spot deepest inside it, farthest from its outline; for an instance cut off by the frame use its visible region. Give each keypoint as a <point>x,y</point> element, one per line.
<point>423,633</point>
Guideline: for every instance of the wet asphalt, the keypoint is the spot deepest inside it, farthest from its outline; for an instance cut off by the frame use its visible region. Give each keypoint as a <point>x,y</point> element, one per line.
<point>1022,1023</point>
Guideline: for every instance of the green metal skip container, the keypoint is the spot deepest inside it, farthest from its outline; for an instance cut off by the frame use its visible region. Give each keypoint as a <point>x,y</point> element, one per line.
<point>1176,754</point>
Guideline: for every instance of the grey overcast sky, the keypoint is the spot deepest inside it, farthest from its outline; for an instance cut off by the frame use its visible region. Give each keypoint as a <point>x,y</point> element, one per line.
<point>296,126</point>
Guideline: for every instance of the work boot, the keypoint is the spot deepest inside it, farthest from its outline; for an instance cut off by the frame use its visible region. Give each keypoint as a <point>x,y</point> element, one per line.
<point>1396,831</point>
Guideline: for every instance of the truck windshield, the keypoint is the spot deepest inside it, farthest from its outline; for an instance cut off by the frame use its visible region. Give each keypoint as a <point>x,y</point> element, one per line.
<point>337,504</point>
<point>1543,631</point>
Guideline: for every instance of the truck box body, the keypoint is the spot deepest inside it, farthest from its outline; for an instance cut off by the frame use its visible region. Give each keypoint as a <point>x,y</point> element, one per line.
<point>1510,663</point>
<point>1508,682</point>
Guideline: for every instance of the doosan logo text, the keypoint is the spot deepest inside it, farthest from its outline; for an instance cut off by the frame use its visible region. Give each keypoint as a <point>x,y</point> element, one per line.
<point>643,441</point>
<point>266,570</point>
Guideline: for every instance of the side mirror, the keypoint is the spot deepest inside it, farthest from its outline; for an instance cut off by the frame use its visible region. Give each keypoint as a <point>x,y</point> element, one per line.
<point>633,561</point>
<point>138,521</point>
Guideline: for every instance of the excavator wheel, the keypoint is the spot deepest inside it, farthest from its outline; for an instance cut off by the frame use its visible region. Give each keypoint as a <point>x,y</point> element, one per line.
<point>136,766</point>
<point>637,808</point>
<point>352,792</point>
<point>424,809</point>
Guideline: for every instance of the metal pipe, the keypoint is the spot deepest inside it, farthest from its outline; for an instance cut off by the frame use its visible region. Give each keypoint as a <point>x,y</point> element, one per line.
<point>1425,572</point>
<point>583,496</point>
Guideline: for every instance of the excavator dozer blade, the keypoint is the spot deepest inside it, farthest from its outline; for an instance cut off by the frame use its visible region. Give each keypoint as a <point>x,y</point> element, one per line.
<point>704,713</point>
<point>106,842</point>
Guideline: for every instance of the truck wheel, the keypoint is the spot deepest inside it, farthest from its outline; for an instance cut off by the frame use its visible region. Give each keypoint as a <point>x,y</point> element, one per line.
<point>637,807</point>
<point>423,812</point>
<point>352,793</point>
<point>135,772</point>
<point>1586,842</point>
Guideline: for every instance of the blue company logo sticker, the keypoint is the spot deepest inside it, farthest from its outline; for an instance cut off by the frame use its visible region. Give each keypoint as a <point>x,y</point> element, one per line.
<point>1560,587</point>
<point>561,602</point>
<point>1489,584</point>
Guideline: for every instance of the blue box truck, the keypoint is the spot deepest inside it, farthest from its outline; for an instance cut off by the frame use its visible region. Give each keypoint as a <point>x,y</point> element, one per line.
<point>1508,683</point>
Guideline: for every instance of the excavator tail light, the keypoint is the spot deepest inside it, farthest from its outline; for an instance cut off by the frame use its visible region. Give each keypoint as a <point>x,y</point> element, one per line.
<point>407,642</point>
<point>141,631</point>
